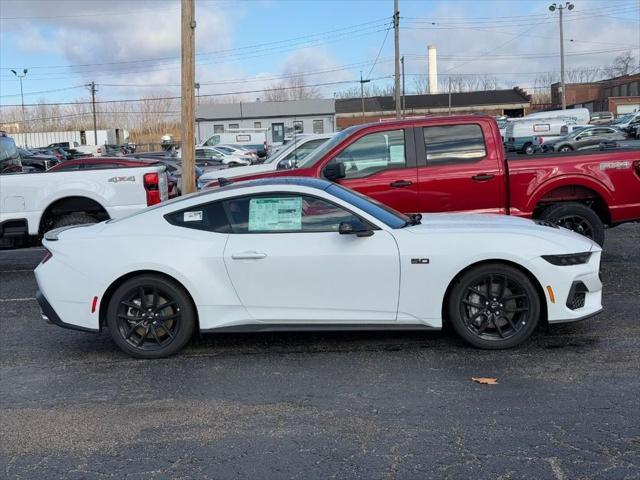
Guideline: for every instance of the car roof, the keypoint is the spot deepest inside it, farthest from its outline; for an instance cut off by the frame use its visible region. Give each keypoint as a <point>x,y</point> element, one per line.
<point>310,182</point>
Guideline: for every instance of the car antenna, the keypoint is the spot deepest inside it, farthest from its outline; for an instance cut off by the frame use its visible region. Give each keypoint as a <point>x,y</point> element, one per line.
<point>222,181</point>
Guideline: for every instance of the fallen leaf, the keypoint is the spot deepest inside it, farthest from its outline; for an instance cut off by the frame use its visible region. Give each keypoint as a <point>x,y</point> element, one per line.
<point>485,381</point>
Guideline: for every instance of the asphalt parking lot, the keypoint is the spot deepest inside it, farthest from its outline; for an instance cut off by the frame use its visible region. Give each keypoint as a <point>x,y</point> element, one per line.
<point>331,405</point>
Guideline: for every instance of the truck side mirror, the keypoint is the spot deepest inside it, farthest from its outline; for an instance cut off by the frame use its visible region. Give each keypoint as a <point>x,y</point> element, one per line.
<point>334,171</point>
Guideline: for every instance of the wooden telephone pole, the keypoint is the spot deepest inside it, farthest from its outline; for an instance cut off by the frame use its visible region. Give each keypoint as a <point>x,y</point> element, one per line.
<point>188,142</point>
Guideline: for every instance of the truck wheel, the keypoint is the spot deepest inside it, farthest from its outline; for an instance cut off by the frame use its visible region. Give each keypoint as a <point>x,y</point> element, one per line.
<point>577,217</point>
<point>528,149</point>
<point>77,218</point>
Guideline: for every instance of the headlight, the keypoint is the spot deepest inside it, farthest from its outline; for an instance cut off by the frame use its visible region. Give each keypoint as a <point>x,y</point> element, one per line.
<point>567,260</point>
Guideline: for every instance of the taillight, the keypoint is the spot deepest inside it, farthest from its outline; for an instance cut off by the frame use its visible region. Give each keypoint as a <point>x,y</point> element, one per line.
<point>47,256</point>
<point>152,187</point>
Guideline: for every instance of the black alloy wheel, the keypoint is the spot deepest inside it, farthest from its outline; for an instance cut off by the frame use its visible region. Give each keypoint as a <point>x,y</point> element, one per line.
<point>494,306</point>
<point>577,224</point>
<point>150,317</point>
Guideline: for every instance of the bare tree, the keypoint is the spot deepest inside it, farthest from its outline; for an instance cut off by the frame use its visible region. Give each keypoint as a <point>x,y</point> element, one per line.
<point>294,88</point>
<point>622,65</point>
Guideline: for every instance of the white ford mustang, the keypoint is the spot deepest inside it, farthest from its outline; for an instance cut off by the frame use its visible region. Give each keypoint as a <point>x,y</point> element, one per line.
<point>300,253</point>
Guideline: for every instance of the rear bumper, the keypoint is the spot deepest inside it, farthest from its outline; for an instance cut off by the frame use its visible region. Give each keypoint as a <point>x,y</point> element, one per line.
<point>49,314</point>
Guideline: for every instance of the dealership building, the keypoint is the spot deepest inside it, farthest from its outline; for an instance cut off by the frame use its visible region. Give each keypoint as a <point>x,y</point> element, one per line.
<point>280,119</point>
<point>618,95</point>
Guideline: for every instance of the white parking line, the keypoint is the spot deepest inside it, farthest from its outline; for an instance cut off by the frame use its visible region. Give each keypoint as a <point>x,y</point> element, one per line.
<point>25,299</point>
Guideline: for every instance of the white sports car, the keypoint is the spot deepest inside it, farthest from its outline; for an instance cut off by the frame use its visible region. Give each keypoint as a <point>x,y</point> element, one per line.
<point>301,253</point>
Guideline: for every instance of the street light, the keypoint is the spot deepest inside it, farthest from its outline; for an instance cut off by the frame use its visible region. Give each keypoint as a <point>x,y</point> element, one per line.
<point>553,7</point>
<point>21,76</point>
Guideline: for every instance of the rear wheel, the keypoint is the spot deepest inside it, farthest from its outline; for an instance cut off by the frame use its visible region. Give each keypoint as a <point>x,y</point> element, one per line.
<point>494,306</point>
<point>577,217</point>
<point>150,316</point>
<point>528,149</point>
<point>565,148</point>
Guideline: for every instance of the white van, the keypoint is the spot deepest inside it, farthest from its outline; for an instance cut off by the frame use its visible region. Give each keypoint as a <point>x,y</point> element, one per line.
<point>576,116</point>
<point>520,135</point>
<point>256,138</point>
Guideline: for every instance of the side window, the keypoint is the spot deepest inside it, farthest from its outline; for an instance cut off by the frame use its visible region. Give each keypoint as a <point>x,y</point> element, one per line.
<point>210,217</point>
<point>285,213</point>
<point>373,153</point>
<point>454,144</point>
<point>318,126</point>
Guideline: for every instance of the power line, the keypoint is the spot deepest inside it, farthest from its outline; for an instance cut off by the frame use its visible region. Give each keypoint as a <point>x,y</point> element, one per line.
<point>102,102</point>
<point>43,91</point>
<point>380,51</point>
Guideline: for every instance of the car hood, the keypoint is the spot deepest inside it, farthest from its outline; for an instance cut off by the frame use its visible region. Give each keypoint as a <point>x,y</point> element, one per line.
<point>238,171</point>
<point>565,240</point>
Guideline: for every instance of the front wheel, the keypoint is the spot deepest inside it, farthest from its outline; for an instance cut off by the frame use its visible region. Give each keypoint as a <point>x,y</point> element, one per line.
<point>494,306</point>
<point>150,316</point>
<point>577,217</point>
<point>529,149</point>
<point>565,148</point>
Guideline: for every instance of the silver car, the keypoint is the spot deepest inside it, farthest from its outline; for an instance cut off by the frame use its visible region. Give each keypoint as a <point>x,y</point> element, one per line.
<point>590,137</point>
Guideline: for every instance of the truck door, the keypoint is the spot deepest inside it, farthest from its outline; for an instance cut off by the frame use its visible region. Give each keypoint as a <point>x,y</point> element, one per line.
<point>382,165</point>
<point>459,169</point>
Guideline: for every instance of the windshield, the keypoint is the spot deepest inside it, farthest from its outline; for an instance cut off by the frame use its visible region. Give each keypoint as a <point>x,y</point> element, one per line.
<point>384,213</point>
<point>623,119</point>
<point>322,150</point>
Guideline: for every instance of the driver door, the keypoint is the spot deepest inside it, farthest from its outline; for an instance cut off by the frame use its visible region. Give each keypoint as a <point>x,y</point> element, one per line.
<point>288,263</point>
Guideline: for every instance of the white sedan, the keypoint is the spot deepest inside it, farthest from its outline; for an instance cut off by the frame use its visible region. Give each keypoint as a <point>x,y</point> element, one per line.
<point>300,253</point>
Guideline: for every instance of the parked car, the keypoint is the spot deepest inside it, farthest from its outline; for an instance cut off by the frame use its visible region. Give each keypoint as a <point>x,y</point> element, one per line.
<point>239,150</point>
<point>37,160</point>
<point>601,118</point>
<point>76,149</point>
<point>32,204</point>
<point>9,157</point>
<point>58,152</point>
<point>494,278</point>
<point>585,138</point>
<point>627,122</point>
<point>286,158</point>
<point>228,157</point>
<point>457,163</point>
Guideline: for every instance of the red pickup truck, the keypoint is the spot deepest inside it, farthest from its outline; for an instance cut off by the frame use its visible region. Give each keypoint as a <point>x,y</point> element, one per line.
<point>458,163</point>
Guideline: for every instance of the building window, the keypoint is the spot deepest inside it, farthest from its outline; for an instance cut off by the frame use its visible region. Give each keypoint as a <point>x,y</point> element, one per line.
<point>218,129</point>
<point>298,126</point>
<point>257,124</point>
<point>318,126</point>
<point>234,125</point>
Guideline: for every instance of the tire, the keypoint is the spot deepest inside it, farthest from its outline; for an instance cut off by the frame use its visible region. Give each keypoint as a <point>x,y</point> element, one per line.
<point>577,217</point>
<point>528,149</point>
<point>146,331</point>
<point>497,324</point>
<point>76,218</point>
<point>565,148</point>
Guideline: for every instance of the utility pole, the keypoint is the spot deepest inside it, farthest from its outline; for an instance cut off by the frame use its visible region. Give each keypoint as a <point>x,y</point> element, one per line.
<point>553,7</point>
<point>396,36</point>
<point>188,145</point>
<point>449,95</point>
<point>197,86</point>
<point>404,103</point>
<point>362,82</point>
<point>92,85</point>
<point>24,118</point>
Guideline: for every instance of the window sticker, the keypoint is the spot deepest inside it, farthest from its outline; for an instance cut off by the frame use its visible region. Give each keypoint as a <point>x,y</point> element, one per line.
<point>193,216</point>
<point>396,154</point>
<point>273,214</point>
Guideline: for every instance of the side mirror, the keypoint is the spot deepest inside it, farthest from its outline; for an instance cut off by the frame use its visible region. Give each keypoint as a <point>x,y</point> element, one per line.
<point>286,164</point>
<point>355,227</point>
<point>334,171</point>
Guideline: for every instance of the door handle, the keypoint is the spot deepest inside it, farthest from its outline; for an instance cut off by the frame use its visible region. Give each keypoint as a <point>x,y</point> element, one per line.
<point>483,177</point>
<point>400,183</point>
<point>248,256</point>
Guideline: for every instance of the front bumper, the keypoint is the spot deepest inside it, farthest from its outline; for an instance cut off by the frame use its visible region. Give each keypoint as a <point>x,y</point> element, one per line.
<point>50,315</point>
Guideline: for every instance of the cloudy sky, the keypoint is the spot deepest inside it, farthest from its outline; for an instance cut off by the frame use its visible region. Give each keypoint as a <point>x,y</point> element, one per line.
<point>131,48</point>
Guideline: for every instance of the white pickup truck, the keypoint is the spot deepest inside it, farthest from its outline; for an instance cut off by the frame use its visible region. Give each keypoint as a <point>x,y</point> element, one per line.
<point>33,203</point>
